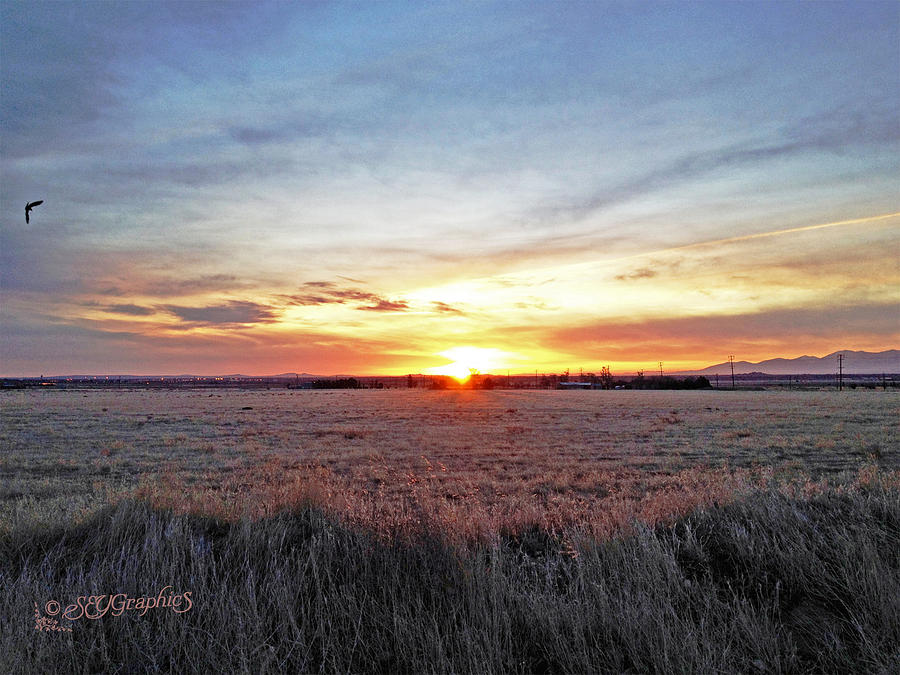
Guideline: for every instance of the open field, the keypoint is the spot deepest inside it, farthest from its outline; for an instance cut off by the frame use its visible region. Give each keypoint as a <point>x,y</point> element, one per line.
<point>454,531</point>
<point>480,459</point>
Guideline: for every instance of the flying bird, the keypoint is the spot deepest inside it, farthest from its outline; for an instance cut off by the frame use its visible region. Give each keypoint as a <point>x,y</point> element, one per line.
<point>29,206</point>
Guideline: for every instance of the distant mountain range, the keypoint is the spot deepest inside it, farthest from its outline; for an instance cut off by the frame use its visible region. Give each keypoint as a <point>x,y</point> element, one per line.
<point>855,363</point>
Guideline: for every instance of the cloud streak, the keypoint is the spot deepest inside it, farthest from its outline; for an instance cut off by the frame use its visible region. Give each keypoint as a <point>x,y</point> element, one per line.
<point>697,165</point>
<point>130,310</point>
<point>790,230</point>
<point>329,293</point>
<point>228,315</point>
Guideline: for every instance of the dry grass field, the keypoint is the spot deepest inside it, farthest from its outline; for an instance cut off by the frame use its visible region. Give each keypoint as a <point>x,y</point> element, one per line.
<point>453,531</point>
<point>478,461</point>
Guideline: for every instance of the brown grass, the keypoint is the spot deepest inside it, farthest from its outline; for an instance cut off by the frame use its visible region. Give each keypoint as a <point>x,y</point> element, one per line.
<point>474,463</point>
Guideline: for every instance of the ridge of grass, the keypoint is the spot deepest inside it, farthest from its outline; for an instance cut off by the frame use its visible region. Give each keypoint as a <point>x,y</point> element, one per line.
<point>768,583</point>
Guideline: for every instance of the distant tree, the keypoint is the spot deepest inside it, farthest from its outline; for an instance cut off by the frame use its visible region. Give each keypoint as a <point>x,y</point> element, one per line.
<point>669,382</point>
<point>343,383</point>
<point>438,382</point>
<point>410,382</point>
<point>606,378</point>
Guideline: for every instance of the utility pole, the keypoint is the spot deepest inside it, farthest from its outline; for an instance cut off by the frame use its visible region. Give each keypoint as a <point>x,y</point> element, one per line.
<point>840,372</point>
<point>660,369</point>
<point>731,361</point>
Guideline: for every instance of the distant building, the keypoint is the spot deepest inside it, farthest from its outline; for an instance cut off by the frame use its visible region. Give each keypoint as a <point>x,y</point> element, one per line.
<point>574,385</point>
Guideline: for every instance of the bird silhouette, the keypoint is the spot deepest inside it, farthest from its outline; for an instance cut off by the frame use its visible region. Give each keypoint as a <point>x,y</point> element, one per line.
<point>29,206</point>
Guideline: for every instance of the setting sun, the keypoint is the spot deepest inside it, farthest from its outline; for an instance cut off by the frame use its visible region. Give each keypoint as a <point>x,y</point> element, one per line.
<point>466,361</point>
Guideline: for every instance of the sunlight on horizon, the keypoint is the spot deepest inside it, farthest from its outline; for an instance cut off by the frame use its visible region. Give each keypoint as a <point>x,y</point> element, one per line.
<point>467,361</point>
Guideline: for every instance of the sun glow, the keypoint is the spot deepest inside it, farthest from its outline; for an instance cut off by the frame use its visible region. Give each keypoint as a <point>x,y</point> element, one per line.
<point>467,361</point>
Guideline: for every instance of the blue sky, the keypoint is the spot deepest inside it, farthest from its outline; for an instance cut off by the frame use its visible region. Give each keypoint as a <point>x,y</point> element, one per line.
<point>358,187</point>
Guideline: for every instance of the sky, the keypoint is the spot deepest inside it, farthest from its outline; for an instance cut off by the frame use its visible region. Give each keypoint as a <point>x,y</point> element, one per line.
<point>390,188</point>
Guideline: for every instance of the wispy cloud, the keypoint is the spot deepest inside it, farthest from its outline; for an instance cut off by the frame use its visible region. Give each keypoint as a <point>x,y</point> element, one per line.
<point>386,306</point>
<point>444,308</point>
<point>231,314</point>
<point>130,310</point>
<point>174,287</point>
<point>836,131</point>
<point>327,292</point>
<point>642,273</point>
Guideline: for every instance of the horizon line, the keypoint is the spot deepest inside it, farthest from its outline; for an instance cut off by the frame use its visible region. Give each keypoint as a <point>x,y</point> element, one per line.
<point>724,364</point>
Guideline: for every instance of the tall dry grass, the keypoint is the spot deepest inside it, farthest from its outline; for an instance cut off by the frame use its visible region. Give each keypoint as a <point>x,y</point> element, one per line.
<point>769,583</point>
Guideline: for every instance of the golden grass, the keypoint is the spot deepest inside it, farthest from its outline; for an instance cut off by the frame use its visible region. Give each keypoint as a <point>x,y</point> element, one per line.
<point>471,463</point>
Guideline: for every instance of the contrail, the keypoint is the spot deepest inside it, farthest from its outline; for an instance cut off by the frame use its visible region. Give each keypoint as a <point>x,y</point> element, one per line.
<point>589,265</point>
<point>790,230</point>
